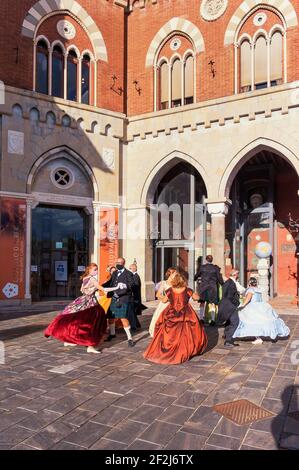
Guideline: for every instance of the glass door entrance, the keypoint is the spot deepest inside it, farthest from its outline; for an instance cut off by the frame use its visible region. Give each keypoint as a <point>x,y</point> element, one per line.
<point>177,255</point>
<point>59,252</point>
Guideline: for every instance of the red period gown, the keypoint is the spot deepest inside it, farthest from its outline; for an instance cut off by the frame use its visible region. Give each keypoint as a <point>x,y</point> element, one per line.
<point>83,321</point>
<point>179,334</point>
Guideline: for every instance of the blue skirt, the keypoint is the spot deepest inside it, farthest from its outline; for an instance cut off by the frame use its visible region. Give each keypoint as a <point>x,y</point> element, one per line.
<point>259,319</point>
<point>118,310</point>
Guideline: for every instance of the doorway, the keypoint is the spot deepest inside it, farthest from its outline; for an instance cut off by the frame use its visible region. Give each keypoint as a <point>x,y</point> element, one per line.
<point>59,252</point>
<point>264,201</point>
<point>172,254</point>
<point>180,222</point>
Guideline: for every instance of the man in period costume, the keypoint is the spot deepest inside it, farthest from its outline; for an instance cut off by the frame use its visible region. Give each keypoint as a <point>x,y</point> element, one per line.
<point>209,278</point>
<point>122,299</point>
<point>228,307</point>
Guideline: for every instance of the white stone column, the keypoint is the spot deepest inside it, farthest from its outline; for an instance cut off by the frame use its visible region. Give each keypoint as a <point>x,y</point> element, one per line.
<point>79,80</point>
<point>218,211</point>
<point>263,267</point>
<point>252,66</point>
<point>34,65</point>
<point>169,85</point>
<point>96,232</point>
<point>138,245</point>
<point>50,71</point>
<point>156,106</point>
<point>268,42</point>
<point>236,50</point>
<point>95,79</point>
<point>65,76</point>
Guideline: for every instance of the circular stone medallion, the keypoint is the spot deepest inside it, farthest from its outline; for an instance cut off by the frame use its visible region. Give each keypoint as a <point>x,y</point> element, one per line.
<point>66,29</point>
<point>175,44</point>
<point>260,19</point>
<point>211,10</point>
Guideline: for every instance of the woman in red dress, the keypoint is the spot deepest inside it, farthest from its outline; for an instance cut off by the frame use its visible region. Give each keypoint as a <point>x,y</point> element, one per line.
<point>83,321</point>
<point>179,334</point>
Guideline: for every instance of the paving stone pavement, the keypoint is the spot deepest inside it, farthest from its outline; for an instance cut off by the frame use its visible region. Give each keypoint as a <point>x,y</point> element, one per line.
<point>52,397</point>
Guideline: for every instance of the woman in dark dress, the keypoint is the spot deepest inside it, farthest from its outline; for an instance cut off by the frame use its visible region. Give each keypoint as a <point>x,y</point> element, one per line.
<point>83,322</point>
<point>178,334</point>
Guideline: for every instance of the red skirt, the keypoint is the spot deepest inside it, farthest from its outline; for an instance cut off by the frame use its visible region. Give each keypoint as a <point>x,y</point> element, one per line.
<point>178,337</point>
<point>85,327</point>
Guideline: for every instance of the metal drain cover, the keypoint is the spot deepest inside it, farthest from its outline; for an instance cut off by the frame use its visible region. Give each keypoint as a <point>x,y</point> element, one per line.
<point>242,411</point>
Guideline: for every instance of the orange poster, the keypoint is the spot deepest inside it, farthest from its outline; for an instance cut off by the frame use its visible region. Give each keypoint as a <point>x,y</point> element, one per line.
<point>12,248</point>
<point>108,240</point>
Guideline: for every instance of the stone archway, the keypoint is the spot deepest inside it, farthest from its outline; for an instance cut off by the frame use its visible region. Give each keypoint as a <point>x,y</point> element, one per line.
<point>246,154</point>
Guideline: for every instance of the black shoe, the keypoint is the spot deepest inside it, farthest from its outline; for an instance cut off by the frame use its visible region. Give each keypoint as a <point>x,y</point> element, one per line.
<point>212,323</point>
<point>110,337</point>
<point>131,343</point>
<point>230,344</point>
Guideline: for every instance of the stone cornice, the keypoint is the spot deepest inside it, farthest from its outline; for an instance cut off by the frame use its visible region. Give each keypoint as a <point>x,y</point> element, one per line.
<point>231,110</point>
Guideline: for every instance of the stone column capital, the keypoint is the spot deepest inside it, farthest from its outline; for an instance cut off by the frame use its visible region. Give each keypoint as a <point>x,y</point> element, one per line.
<point>218,208</point>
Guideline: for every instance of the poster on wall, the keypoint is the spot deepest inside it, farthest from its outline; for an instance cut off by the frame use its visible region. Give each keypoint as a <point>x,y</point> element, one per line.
<point>108,242</point>
<point>12,248</point>
<point>60,271</point>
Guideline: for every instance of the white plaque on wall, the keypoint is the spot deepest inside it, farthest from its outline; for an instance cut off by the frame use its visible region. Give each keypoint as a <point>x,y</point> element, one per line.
<point>109,158</point>
<point>15,142</point>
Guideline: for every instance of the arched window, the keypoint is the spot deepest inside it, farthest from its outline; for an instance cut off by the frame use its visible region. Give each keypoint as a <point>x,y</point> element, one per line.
<point>51,119</point>
<point>57,72</point>
<point>276,60</point>
<point>260,57</point>
<point>245,60</point>
<point>260,63</point>
<point>72,76</point>
<point>42,67</point>
<point>189,80</point>
<point>34,115</point>
<point>176,83</point>
<point>85,80</point>
<point>164,86</point>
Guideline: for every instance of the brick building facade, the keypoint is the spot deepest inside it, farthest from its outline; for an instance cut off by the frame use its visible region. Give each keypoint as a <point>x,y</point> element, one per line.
<point>110,108</point>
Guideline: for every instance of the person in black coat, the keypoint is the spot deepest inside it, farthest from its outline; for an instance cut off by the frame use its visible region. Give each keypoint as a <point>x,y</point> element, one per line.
<point>228,308</point>
<point>136,293</point>
<point>122,299</point>
<point>209,278</point>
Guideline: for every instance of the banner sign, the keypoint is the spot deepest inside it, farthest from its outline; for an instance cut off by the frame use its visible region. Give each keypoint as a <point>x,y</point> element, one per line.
<point>12,248</point>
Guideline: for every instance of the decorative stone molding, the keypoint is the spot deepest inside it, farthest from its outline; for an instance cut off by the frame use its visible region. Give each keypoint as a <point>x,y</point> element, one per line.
<point>15,143</point>
<point>218,209</point>
<point>44,8</point>
<point>260,19</point>
<point>66,29</point>
<point>226,111</point>
<point>109,158</point>
<point>211,10</point>
<point>174,25</point>
<point>284,7</point>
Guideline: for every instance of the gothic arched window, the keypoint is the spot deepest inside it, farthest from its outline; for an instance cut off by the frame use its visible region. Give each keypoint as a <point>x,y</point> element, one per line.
<point>72,76</point>
<point>42,67</point>
<point>57,72</point>
<point>85,80</point>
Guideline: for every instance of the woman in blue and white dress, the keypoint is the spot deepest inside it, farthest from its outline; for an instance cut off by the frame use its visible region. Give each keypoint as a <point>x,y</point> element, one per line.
<point>258,319</point>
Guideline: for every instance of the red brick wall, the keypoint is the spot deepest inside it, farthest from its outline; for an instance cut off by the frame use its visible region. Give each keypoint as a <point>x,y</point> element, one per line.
<point>144,23</point>
<point>109,18</point>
